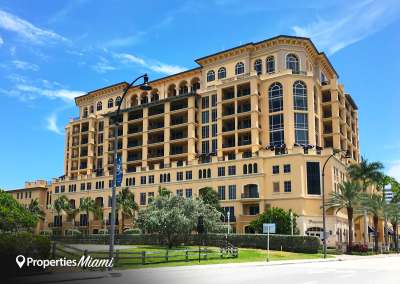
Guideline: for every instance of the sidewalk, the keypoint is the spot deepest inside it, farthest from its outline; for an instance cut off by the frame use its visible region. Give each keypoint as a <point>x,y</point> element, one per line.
<point>75,276</point>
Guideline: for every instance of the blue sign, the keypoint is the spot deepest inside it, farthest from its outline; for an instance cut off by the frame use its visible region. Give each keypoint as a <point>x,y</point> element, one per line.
<point>119,171</point>
<point>269,228</point>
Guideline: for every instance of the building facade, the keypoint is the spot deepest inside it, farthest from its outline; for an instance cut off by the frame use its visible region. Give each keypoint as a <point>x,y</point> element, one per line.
<point>255,122</point>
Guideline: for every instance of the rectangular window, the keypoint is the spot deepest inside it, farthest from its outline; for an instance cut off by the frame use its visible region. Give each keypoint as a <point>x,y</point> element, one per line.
<point>188,193</point>
<point>179,176</point>
<point>205,131</point>
<point>143,198</point>
<point>188,175</point>
<point>143,180</point>
<point>179,192</point>
<point>313,178</point>
<point>276,130</point>
<point>213,100</point>
<point>221,171</point>
<point>151,179</point>
<point>214,144</point>
<point>232,191</point>
<point>205,147</point>
<point>286,168</point>
<point>214,115</point>
<point>88,186</point>
<point>232,170</point>
<point>83,186</point>
<point>275,169</point>
<point>56,190</point>
<point>287,186</point>
<point>62,188</point>
<point>205,117</point>
<point>214,130</point>
<point>301,128</point>
<point>221,192</point>
<point>275,187</point>
<point>205,102</point>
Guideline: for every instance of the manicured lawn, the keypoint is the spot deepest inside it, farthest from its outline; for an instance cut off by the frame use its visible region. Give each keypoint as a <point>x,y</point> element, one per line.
<point>176,256</point>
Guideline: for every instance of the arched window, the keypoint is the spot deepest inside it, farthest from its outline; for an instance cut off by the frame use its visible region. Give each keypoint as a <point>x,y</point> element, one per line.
<point>144,99</point>
<point>204,173</point>
<point>270,64</point>
<point>292,62</point>
<point>222,73</point>
<point>239,68</point>
<point>134,101</point>
<point>210,76</point>
<point>169,177</point>
<point>117,101</point>
<point>250,191</point>
<point>110,103</point>
<point>255,168</point>
<point>250,168</point>
<point>200,174</point>
<point>275,94</point>
<point>171,90</point>
<point>299,95</point>
<point>245,169</point>
<point>91,109</point>
<point>85,112</point>
<point>209,173</point>
<point>99,106</point>
<point>183,88</point>
<point>258,66</point>
<point>154,96</point>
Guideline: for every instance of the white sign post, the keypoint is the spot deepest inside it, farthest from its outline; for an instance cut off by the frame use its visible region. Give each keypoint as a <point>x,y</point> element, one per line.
<point>269,228</point>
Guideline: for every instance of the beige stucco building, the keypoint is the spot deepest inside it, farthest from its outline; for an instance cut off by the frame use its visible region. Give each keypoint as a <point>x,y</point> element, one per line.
<point>255,122</point>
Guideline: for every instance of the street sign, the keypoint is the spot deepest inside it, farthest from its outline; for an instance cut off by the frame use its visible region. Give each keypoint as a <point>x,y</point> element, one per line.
<point>119,171</point>
<point>269,228</point>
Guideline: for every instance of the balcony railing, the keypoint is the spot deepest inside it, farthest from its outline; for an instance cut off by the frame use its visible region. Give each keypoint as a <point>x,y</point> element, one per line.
<point>132,130</point>
<point>250,195</point>
<point>133,158</point>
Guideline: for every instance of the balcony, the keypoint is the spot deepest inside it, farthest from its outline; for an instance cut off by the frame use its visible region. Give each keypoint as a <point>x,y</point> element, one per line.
<point>243,90</point>
<point>228,111</point>
<point>178,135</point>
<point>228,94</point>
<point>178,120</point>
<point>135,115</point>
<point>155,140</point>
<point>156,125</point>
<point>228,144</point>
<point>228,127</point>
<point>158,154</point>
<point>134,157</point>
<point>243,108</point>
<point>135,129</point>
<point>177,105</point>
<point>250,195</point>
<point>156,110</point>
<point>134,143</point>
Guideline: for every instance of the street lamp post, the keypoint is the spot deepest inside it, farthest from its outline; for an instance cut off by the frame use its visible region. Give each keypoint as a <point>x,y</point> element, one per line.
<point>145,86</point>
<point>335,151</point>
<point>229,218</point>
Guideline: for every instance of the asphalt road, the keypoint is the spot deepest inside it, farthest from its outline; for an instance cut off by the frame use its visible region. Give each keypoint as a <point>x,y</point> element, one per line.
<point>368,270</point>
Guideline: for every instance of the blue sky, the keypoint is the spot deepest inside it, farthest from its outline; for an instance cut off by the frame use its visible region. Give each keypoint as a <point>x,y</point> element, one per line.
<point>52,51</point>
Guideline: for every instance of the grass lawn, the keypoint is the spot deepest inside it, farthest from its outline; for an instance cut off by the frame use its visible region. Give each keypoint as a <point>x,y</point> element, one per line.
<point>177,257</point>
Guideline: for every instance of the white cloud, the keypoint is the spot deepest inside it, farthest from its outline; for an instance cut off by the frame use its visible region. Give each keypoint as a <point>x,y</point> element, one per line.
<point>52,124</point>
<point>150,64</point>
<point>27,30</point>
<point>23,65</point>
<point>394,170</point>
<point>125,41</point>
<point>351,24</point>
<point>103,66</point>
<point>64,94</point>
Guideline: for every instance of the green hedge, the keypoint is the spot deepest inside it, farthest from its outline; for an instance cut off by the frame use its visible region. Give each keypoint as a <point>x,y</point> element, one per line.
<point>12,245</point>
<point>305,244</point>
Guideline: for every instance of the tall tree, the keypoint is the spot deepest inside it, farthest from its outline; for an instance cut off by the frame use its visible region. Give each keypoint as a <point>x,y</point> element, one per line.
<point>126,203</point>
<point>348,197</point>
<point>87,205</point>
<point>393,214</point>
<point>276,215</point>
<point>35,209</point>
<point>60,205</point>
<point>375,204</point>
<point>209,196</point>
<point>366,174</point>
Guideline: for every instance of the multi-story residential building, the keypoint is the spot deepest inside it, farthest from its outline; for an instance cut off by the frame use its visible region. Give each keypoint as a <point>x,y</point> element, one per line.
<point>255,122</point>
<point>37,190</point>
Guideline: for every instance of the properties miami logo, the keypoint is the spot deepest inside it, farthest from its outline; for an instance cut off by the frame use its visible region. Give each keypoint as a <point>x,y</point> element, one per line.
<point>84,261</point>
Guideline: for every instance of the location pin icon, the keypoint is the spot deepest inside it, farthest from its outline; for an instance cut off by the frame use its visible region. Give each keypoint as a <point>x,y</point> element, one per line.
<point>20,259</point>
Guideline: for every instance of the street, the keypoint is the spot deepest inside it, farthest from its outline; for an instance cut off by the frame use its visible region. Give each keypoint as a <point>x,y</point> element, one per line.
<point>366,270</point>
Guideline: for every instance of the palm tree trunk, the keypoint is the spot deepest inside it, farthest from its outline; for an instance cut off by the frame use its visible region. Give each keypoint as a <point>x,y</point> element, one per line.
<point>350,221</point>
<point>376,221</point>
<point>123,222</point>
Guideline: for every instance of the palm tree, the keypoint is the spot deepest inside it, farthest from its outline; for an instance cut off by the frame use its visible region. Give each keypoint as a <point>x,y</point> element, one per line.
<point>72,213</point>
<point>366,174</point>
<point>376,205</point>
<point>347,198</point>
<point>36,210</point>
<point>393,214</point>
<point>99,214</point>
<point>87,205</point>
<point>126,203</point>
<point>60,204</point>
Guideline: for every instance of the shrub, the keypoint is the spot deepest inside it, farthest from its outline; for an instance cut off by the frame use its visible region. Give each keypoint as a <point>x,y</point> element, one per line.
<point>362,248</point>
<point>12,245</point>
<point>103,232</point>
<point>132,231</point>
<point>73,232</point>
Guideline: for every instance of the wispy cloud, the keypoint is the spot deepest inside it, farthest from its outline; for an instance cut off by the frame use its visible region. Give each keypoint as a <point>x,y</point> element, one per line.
<point>394,169</point>
<point>27,30</point>
<point>153,65</point>
<point>52,124</point>
<point>26,66</point>
<point>351,24</point>
<point>64,94</point>
<point>1,41</point>
<point>126,41</point>
<point>103,66</point>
